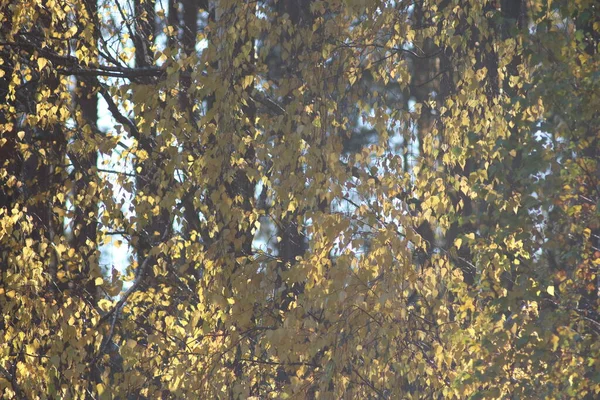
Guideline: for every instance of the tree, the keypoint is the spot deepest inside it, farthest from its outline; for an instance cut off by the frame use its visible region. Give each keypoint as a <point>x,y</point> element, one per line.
<point>324,199</point>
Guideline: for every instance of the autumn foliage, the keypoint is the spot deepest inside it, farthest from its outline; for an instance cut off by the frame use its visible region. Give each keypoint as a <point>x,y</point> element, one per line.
<point>323,199</point>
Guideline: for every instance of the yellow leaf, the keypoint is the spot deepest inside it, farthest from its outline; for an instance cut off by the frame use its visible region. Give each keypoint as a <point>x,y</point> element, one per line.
<point>458,243</point>
<point>99,281</point>
<point>247,81</point>
<point>115,290</point>
<point>550,290</point>
<point>61,248</point>
<point>105,304</point>
<point>470,236</point>
<point>72,31</point>
<point>62,276</point>
<point>42,63</point>
<point>554,340</point>
<point>21,134</point>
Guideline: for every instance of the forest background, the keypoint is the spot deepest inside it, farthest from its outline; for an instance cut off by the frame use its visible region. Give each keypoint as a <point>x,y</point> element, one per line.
<point>299,199</point>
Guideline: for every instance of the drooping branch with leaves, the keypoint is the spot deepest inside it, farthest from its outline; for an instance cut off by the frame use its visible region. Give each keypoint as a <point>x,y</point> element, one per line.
<point>299,199</point>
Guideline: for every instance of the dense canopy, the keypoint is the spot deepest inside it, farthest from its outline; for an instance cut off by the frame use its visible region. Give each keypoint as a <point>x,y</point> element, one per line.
<point>299,199</point>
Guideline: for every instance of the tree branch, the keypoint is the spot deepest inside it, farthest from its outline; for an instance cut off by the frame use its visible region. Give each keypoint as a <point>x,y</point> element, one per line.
<point>126,73</point>
<point>114,110</point>
<point>291,364</point>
